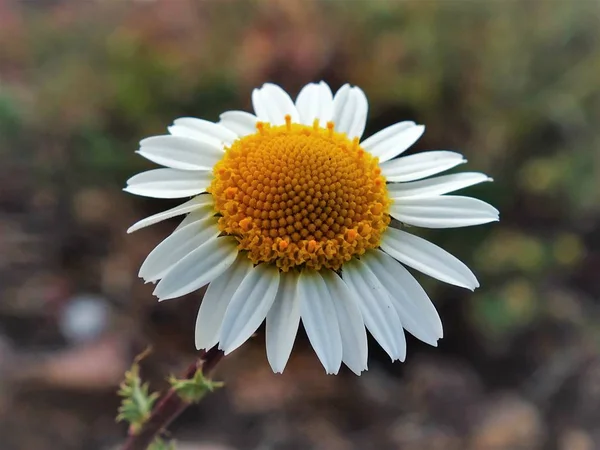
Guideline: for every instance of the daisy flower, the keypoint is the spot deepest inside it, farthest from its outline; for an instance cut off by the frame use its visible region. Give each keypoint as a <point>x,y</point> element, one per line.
<point>291,218</point>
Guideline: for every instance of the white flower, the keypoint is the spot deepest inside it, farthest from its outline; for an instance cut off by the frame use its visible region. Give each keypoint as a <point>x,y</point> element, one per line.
<point>289,220</point>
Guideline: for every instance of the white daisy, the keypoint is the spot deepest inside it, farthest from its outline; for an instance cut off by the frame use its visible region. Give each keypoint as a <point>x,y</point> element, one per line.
<point>290,220</point>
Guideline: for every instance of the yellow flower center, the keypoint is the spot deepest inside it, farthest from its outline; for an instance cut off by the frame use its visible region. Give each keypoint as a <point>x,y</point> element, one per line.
<point>295,195</point>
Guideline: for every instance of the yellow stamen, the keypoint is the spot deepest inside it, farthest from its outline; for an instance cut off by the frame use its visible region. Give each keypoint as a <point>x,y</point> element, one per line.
<point>296,195</point>
<point>330,126</point>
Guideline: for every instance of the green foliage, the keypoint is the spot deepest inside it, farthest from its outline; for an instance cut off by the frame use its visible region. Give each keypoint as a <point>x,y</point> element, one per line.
<point>10,120</point>
<point>195,388</point>
<point>137,402</point>
<point>160,444</point>
<point>499,312</point>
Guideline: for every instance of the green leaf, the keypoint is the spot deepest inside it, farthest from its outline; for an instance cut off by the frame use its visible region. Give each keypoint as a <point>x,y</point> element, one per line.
<point>159,444</point>
<point>137,403</point>
<point>195,388</point>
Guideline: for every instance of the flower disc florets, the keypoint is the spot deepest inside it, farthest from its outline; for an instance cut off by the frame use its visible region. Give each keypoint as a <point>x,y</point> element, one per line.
<point>296,195</point>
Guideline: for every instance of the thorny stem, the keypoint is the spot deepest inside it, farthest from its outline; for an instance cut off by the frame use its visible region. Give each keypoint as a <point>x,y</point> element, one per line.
<point>171,405</point>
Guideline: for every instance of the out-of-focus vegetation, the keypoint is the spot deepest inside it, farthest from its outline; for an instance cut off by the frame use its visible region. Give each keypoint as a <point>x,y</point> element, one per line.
<point>514,85</point>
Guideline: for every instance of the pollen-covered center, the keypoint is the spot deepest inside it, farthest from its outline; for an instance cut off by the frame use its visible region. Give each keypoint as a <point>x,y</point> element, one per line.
<point>296,195</point>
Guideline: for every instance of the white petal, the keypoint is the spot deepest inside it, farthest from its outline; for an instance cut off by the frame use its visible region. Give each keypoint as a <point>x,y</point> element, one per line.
<point>320,320</point>
<point>169,183</point>
<point>378,311</point>
<point>216,300</point>
<point>249,306</point>
<point>416,312</point>
<point>427,258</point>
<point>352,327</point>
<point>283,320</point>
<point>315,101</point>
<point>179,152</point>
<point>194,216</point>
<point>446,211</point>
<point>203,130</point>
<point>198,268</point>
<point>393,140</point>
<point>414,291</point>
<point>436,186</point>
<point>271,104</point>
<point>420,165</point>
<point>241,123</point>
<point>350,107</point>
<point>175,247</point>
<point>191,133</point>
<point>200,202</point>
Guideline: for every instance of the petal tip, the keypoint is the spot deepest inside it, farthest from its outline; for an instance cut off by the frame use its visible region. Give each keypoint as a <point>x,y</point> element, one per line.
<point>358,372</point>
<point>146,279</point>
<point>227,349</point>
<point>473,286</point>
<point>277,367</point>
<point>158,294</point>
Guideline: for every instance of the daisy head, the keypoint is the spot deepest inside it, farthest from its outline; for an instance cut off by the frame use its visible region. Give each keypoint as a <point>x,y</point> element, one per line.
<point>292,217</point>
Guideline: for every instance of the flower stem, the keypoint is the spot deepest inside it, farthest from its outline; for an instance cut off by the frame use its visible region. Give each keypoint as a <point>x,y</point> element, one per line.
<point>171,405</point>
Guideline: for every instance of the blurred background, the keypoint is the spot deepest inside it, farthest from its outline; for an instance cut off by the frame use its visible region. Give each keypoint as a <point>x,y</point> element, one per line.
<point>514,85</point>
